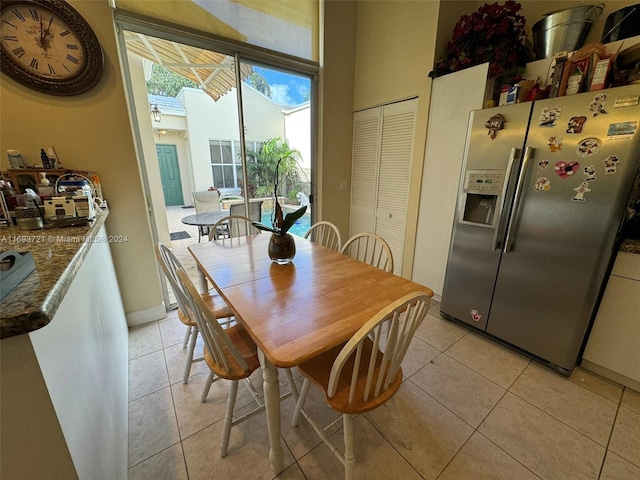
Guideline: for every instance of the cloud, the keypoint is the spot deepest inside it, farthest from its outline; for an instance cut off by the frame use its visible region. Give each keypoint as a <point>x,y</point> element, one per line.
<point>280,94</point>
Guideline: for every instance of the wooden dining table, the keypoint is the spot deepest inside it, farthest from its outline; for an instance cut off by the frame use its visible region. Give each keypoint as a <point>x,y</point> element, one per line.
<point>296,311</point>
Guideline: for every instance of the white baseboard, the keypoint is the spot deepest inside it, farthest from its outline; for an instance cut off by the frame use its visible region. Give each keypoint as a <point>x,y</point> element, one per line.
<point>611,375</point>
<point>151,314</point>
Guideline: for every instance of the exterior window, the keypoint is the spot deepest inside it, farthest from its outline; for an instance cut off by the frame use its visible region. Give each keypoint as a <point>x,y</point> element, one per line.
<point>223,163</point>
<point>226,165</point>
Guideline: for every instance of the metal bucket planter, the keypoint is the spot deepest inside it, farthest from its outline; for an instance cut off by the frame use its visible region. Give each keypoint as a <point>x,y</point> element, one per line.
<point>564,29</point>
<point>621,24</point>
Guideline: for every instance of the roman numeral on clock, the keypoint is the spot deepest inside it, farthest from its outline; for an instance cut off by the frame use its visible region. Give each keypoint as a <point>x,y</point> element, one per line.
<point>17,13</point>
<point>34,64</point>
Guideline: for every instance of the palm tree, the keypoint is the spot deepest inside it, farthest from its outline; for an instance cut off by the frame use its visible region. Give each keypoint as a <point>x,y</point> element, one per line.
<point>275,155</point>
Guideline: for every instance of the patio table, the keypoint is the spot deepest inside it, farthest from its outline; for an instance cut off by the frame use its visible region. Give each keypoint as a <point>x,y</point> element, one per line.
<point>294,312</point>
<point>205,219</point>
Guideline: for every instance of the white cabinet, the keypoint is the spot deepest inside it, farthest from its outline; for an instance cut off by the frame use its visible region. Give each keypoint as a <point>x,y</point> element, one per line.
<point>452,98</point>
<point>382,150</point>
<point>613,346</point>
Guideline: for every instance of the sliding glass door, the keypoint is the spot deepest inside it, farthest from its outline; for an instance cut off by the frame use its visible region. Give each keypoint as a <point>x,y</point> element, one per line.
<point>276,112</point>
<point>230,119</point>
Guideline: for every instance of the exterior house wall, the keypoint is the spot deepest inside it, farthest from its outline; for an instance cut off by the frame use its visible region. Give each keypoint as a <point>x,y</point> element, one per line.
<point>297,128</point>
<point>209,120</point>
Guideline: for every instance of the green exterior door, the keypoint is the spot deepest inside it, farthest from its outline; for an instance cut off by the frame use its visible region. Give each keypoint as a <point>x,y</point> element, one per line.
<point>170,174</point>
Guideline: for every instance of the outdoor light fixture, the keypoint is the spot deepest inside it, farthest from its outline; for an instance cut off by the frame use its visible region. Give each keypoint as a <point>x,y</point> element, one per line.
<point>155,111</point>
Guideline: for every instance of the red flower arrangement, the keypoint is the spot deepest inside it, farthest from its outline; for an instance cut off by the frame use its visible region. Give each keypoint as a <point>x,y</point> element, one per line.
<point>494,33</point>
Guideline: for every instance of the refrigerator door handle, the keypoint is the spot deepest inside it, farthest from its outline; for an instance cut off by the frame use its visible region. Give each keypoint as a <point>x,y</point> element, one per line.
<point>499,233</point>
<point>508,241</point>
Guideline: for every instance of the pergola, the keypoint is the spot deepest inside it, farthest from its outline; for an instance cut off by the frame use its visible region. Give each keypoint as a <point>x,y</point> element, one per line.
<point>213,72</point>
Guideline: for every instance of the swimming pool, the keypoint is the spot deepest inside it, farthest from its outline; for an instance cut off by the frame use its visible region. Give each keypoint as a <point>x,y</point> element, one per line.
<point>299,228</point>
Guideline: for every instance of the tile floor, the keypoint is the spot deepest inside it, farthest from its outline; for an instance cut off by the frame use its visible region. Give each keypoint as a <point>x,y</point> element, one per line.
<point>473,409</point>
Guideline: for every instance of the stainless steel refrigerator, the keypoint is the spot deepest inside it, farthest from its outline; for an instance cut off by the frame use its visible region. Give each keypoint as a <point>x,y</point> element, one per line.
<point>543,193</point>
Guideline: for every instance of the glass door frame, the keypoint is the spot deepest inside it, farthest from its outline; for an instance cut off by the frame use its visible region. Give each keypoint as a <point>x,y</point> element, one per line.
<point>128,21</point>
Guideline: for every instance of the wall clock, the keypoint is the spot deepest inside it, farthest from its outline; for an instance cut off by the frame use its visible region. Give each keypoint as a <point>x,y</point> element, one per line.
<point>49,47</point>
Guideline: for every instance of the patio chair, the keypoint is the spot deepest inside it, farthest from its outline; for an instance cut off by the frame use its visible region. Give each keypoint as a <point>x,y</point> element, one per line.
<point>365,372</point>
<point>326,234</point>
<point>230,354</point>
<point>233,226</point>
<point>170,265</point>
<point>370,248</point>
<point>208,201</point>
<point>255,210</point>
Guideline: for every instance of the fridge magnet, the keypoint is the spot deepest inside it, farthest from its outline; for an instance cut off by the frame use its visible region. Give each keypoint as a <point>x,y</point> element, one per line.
<point>588,146</point>
<point>543,164</point>
<point>598,104</point>
<point>622,129</point>
<point>549,116</point>
<point>475,315</point>
<point>542,184</point>
<point>555,144</point>
<point>630,101</point>
<point>494,124</point>
<point>566,169</point>
<point>589,173</point>
<point>580,191</point>
<point>610,164</point>
<point>575,124</point>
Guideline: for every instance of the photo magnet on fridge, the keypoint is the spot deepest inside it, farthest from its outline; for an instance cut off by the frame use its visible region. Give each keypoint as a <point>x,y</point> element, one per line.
<point>588,146</point>
<point>589,173</point>
<point>555,144</point>
<point>610,164</point>
<point>575,124</point>
<point>598,104</point>
<point>549,116</point>
<point>542,184</point>
<point>566,169</point>
<point>580,191</point>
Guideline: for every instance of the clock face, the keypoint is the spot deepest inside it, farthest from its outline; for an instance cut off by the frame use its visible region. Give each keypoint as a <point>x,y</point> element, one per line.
<point>48,46</point>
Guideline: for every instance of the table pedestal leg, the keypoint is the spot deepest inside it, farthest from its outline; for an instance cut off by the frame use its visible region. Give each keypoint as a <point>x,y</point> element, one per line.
<point>203,287</point>
<point>272,408</point>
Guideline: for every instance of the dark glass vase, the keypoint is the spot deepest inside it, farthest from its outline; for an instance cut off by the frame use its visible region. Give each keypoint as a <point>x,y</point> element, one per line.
<point>282,249</point>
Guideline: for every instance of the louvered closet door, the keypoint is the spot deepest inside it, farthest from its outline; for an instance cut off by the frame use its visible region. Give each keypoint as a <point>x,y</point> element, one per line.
<point>398,122</point>
<point>364,173</point>
<point>380,185</point>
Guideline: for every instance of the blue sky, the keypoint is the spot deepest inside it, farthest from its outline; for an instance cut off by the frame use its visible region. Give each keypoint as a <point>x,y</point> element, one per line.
<point>285,89</point>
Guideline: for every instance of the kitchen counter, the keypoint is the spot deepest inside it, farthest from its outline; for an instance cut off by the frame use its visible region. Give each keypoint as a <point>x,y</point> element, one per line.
<point>64,359</point>
<point>58,254</point>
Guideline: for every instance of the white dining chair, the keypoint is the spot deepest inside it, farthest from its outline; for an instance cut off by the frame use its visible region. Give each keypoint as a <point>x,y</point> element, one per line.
<point>230,354</point>
<point>364,373</point>
<point>170,265</point>
<point>370,248</point>
<point>326,234</point>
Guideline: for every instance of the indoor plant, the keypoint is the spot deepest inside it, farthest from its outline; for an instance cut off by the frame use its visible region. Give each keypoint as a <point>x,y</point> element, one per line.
<point>494,33</point>
<point>282,247</point>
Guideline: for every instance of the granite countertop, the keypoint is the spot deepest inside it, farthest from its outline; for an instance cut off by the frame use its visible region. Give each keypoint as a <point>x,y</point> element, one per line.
<point>630,245</point>
<point>58,254</point>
